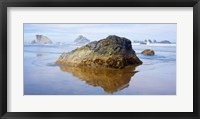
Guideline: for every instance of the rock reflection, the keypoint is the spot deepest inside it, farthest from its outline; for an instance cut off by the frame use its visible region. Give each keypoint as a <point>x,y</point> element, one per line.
<point>111,80</point>
<point>40,55</point>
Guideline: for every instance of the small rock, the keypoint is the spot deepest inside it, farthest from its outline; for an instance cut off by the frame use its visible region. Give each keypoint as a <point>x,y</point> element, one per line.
<point>148,52</point>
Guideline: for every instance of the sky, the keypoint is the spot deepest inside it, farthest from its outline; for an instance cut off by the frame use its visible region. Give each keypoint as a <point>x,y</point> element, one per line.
<point>94,32</point>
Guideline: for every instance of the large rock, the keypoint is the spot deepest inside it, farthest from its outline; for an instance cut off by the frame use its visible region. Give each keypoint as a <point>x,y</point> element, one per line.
<point>81,40</point>
<point>110,80</point>
<point>111,52</point>
<point>40,39</point>
<point>148,52</point>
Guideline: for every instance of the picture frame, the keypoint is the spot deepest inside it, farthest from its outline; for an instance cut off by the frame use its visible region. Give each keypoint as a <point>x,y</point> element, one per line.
<point>4,4</point>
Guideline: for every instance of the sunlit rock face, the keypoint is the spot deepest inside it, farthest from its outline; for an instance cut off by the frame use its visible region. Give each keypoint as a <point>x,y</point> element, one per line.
<point>111,80</point>
<point>111,52</point>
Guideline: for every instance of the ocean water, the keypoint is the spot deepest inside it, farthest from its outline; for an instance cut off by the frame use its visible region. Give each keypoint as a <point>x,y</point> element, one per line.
<point>156,76</point>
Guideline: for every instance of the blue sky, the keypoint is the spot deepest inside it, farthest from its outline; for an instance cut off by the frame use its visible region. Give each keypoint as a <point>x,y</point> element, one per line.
<point>69,32</point>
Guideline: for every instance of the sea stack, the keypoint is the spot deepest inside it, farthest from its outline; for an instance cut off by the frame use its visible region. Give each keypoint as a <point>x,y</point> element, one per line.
<point>40,39</point>
<point>111,52</point>
<point>81,40</point>
<point>165,42</point>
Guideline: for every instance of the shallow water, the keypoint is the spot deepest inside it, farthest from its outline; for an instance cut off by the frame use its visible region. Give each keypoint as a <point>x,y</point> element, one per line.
<point>156,76</point>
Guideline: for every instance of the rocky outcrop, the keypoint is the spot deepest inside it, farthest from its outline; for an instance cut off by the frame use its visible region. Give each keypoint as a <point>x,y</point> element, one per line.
<point>148,52</point>
<point>111,80</point>
<point>81,40</point>
<point>40,39</point>
<point>111,52</point>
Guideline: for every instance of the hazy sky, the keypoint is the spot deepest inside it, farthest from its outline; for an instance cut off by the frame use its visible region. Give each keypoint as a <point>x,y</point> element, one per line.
<point>69,32</point>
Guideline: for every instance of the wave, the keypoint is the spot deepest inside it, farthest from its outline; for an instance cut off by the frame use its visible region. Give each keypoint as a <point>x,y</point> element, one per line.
<point>149,60</point>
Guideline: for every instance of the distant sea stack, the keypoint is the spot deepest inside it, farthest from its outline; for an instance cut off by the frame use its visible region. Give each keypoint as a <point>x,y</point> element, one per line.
<point>111,52</point>
<point>40,39</point>
<point>81,40</point>
<point>149,41</point>
<point>165,42</point>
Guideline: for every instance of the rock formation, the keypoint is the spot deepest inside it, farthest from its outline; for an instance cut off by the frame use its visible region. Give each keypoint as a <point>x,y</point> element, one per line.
<point>111,52</point>
<point>81,40</point>
<point>148,52</point>
<point>40,39</point>
<point>165,42</point>
<point>33,42</point>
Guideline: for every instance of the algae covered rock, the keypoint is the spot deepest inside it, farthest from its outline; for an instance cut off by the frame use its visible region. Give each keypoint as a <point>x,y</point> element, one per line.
<point>148,52</point>
<point>111,52</point>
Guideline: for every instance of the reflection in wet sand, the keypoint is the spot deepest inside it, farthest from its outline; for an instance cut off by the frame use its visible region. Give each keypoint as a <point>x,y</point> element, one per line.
<point>111,80</point>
